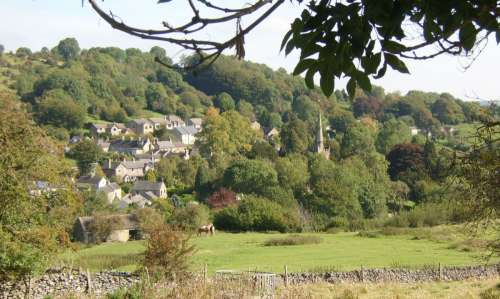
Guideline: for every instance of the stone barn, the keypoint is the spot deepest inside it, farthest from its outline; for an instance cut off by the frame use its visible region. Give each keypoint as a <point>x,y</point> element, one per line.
<point>110,228</point>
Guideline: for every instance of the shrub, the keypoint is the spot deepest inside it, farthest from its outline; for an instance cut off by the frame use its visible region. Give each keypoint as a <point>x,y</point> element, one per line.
<point>102,226</point>
<point>167,252</point>
<point>190,217</point>
<point>293,240</point>
<point>257,214</point>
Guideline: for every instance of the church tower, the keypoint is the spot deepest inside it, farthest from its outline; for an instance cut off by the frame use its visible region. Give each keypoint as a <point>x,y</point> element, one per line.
<point>320,146</point>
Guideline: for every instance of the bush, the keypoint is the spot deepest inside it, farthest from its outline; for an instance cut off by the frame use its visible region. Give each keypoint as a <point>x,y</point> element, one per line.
<point>257,214</point>
<point>167,253</point>
<point>190,217</point>
<point>293,240</point>
<point>430,214</point>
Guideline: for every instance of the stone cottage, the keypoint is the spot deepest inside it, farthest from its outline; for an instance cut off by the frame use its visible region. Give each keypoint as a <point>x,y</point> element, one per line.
<point>122,228</point>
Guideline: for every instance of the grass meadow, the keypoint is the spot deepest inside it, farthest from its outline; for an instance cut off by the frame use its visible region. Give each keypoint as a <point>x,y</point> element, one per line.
<point>248,251</point>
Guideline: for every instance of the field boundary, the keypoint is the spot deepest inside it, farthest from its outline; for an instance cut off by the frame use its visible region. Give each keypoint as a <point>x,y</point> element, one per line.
<point>59,281</point>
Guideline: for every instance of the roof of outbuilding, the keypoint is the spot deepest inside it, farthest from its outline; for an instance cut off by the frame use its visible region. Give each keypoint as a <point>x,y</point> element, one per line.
<point>127,221</point>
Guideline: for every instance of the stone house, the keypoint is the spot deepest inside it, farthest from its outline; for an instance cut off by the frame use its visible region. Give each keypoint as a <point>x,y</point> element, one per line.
<point>255,125</point>
<point>98,129</point>
<point>112,192</point>
<point>123,228</point>
<point>113,129</point>
<point>127,171</point>
<point>414,130</point>
<point>169,146</point>
<point>159,123</point>
<point>132,146</point>
<point>141,126</point>
<point>196,122</point>
<point>173,121</point>
<point>147,189</point>
<point>91,183</point>
<point>186,134</point>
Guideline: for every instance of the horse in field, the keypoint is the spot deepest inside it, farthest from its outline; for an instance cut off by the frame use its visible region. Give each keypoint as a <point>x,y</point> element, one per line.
<point>207,229</point>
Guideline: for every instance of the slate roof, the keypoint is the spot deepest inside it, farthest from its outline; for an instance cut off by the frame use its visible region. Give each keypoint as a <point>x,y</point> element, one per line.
<point>196,121</point>
<point>147,186</point>
<point>128,143</point>
<point>127,221</point>
<point>137,199</point>
<point>189,130</point>
<point>94,180</point>
<point>141,121</point>
<point>110,188</point>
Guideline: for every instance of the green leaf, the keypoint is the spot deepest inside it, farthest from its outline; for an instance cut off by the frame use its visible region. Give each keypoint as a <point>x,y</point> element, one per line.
<point>371,63</point>
<point>289,47</point>
<point>351,87</point>
<point>392,46</point>
<point>286,38</point>
<point>303,65</point>
<point>381,72</point>
<point>467,36</point>
<point>310,77</point>
<point>326,81</point>
<point>396,63</point>
<point>363,81</point>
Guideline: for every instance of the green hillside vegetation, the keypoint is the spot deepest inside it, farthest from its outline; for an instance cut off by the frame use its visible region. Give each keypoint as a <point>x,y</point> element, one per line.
<point>376,165</point>
<point>369,173</point>
<point>343,251</point>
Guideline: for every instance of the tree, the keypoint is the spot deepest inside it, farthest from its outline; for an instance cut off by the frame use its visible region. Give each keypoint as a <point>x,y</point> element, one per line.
<point>357,140</point>
<point>69,49</point>
<point>222,198</point>
<point>393,132</point>
<point>295,137</point>
<point>32,226</point>
<point>202,181</point>
<point>447,111</point>
<point>57,108</point>
<point>405,162</point>
<point>224,102</point>
<point>367,105</point>
<point>23,52</point>
<point>86,153</point>
<point>2,49</point>
<point>292,172</point>
<point>368,37</point>
<point>250,176</point>
<point>167,252</point>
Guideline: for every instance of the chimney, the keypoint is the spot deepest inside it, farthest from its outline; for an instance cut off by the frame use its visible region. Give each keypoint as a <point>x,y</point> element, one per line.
<point>109,163</point>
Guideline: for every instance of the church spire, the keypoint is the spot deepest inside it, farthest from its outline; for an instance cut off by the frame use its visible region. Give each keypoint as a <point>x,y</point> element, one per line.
<point>320,145</point>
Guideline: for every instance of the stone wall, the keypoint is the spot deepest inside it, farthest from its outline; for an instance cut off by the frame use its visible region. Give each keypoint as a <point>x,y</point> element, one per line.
<point>69,281</point>
<point>398,275</point>
<point>74,281</point>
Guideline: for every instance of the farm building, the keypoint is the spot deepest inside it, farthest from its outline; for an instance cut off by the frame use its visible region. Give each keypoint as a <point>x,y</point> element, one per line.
<point>116,228</point>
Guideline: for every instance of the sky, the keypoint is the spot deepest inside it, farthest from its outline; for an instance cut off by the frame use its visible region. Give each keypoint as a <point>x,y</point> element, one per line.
<point>38,23</point>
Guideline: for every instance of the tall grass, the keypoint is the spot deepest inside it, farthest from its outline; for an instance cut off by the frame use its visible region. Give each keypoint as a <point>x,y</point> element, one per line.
<point>293,240</point>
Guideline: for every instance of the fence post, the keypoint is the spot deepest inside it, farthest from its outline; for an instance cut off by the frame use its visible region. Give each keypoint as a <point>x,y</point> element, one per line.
<point>89,282</point>
<point>286,276</point>
<point>440,272</point>
<point>362,274</point>
<point>205,274</point>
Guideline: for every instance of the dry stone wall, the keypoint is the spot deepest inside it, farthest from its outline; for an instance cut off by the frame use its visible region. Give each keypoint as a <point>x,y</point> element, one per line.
<point>398,275</point>
<point>68,281</point>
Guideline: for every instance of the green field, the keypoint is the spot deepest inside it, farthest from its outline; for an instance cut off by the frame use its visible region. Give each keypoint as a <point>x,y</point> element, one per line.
<point>342,251</point>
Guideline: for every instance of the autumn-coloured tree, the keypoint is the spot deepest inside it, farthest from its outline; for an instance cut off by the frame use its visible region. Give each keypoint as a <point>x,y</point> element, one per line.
<point>222,198</point>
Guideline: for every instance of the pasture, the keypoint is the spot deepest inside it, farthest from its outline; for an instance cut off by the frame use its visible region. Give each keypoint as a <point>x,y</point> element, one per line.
<point>244,251</point>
